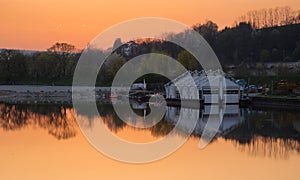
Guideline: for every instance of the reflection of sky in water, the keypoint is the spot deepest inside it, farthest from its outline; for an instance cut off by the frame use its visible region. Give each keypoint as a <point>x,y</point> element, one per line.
<point>258,133</point>
<point>265,145</point>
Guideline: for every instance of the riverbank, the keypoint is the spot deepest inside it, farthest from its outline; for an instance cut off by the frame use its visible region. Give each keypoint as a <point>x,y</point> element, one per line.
<point>25,94</point>
<point>279,102</point>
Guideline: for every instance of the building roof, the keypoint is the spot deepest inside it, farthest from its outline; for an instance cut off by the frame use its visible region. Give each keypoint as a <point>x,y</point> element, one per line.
<point>203,80</point>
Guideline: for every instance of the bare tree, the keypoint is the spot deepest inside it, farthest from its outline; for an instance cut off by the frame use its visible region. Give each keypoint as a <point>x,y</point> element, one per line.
<point>278,16</point>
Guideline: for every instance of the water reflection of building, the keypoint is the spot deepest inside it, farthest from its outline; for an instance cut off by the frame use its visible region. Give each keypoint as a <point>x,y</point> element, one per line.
<point>138,105</point>
<point>230,117</point>
<point>265,132</point>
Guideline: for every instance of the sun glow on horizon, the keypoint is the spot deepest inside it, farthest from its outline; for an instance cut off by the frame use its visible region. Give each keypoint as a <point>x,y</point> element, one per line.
<point>36,25</point>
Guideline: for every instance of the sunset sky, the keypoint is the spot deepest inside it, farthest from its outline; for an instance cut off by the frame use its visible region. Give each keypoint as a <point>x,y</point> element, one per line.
<point>36,25</point>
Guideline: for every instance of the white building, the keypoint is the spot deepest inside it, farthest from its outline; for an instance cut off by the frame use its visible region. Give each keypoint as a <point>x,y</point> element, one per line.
<point>211,86</point>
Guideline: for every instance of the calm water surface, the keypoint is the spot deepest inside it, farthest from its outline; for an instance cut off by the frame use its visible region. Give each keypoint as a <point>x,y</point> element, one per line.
<point>45,142</point>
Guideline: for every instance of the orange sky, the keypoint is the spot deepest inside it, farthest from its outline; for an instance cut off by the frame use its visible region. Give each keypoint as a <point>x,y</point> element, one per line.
<point>33,24</point>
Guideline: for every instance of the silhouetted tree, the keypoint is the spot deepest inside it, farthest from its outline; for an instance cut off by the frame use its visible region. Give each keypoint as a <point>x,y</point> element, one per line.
<point>64,52</point>
<point>208,30</point>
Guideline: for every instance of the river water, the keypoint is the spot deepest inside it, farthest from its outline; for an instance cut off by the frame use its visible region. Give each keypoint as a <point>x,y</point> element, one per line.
<point>45,142</point>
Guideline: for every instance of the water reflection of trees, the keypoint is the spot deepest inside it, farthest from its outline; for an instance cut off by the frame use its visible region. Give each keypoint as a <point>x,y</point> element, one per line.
<point>264,133</point>
<point>58,120</point>
<point>270,147</point>
<point>268,133</point>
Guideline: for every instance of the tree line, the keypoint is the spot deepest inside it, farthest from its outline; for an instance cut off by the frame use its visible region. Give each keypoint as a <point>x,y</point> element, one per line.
<point>237,45</point>
<point>57,64</point>
<point>260,36</point>
<point>271,17</point>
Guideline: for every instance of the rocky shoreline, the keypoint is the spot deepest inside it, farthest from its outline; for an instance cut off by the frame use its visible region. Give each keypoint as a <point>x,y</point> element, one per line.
<point>44,94</point>
<point>35,97</point>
